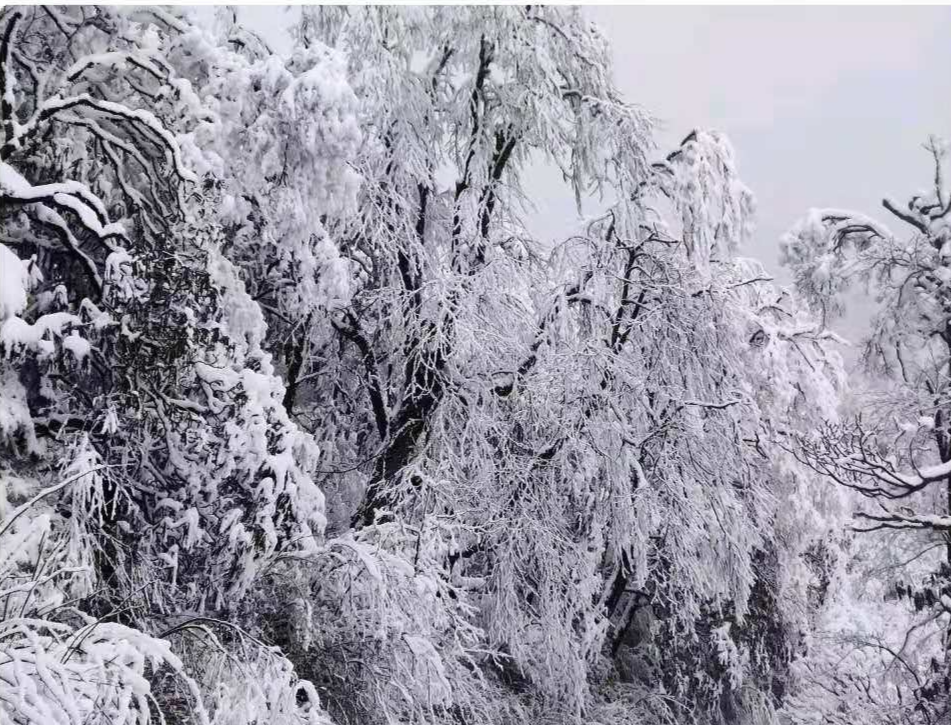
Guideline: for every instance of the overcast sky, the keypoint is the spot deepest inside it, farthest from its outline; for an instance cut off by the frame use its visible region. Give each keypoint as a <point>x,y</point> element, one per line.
<point>826,106</point>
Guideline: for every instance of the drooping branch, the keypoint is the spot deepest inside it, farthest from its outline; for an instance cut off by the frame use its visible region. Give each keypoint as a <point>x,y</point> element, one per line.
<point>424,368</point>
<point>350,329</point>
<point>295,355</point>
<point>425,386</point>
<point>572,295</point>
<point>7,117</point>
<point>465,181</point>
<point>406,263</point>
<point>504,146</point>
<point>145,124</point>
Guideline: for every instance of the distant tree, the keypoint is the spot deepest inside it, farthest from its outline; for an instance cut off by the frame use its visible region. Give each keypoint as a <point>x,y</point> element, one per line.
<point>895,450</point>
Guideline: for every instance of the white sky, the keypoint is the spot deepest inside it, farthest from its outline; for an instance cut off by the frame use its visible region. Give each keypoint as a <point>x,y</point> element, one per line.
<point>826,106</point>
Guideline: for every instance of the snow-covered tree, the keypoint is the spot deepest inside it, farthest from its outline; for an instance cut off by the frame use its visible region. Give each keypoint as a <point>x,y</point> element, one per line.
<point>894,452</point>
<point>139,403</point>
<point>558,477</point>
<point>523,423</point>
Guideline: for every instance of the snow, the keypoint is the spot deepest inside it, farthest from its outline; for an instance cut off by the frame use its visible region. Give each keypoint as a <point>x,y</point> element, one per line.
<point>14,283</point>
<point>14,412</point>
<point>17,334</point>
<point>11,181</point>
<point>78,346</point>
<point>915,520</point>
<point>116,261</point>
<point>645,445</point>
<point>143,117</point>
<point>925,473</point>
<point>73,194</point>
<point>87,216</point>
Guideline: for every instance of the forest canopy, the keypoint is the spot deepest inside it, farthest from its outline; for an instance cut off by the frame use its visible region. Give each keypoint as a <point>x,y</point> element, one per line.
<point>300,423</point>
